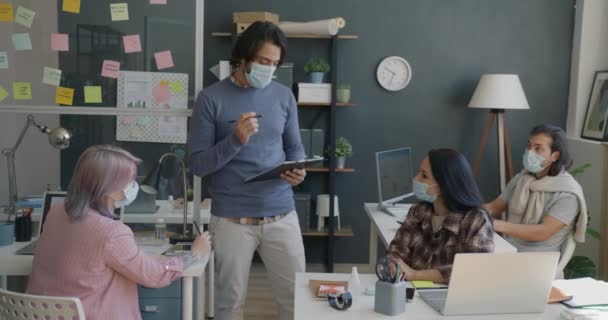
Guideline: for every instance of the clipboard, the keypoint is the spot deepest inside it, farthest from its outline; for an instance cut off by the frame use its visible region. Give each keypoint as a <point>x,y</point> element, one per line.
<point>275,173</point>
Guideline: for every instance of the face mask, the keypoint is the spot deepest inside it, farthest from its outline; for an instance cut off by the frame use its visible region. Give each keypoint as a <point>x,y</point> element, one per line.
<point>130,194</point>
<point>420,190</point>
<point>533,162</point>
<point>260,75</point>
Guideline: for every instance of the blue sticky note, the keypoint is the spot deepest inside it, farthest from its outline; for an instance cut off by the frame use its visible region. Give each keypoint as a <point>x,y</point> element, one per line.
<point>22,41</point>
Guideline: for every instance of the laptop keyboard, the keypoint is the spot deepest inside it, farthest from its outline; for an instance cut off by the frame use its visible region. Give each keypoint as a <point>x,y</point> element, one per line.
<point>436,298</point>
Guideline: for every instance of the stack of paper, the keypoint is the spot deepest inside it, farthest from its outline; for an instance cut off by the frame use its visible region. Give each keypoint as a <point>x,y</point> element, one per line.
<point>585,292</point>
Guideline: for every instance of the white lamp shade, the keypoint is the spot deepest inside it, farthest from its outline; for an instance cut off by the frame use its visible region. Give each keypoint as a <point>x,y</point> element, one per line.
<point>499,91</point>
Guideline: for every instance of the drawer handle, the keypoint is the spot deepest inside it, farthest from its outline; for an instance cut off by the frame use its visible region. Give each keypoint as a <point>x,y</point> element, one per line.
<point>151,309</point>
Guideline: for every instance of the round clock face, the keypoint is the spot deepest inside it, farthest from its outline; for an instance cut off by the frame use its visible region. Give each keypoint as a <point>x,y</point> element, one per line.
<point>394,73</point>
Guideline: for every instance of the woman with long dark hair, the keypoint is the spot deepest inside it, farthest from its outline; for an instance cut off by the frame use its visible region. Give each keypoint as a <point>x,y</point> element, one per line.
<point>448,219</point>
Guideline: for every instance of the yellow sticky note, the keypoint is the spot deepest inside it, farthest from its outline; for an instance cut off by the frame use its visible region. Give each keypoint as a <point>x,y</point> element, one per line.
<point>423,284</point>
<point>72,6</point>
<point>6,12</point>
<point>3,94</point>
<point>176,86</point>
<point>22,91</point>
<point>92,94</point>
<point>120,11</point>
<point>64,96</point>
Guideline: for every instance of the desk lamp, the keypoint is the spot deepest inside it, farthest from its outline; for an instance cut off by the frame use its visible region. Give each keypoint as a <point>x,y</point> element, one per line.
<point>148,187</point>
<point>59,138</point>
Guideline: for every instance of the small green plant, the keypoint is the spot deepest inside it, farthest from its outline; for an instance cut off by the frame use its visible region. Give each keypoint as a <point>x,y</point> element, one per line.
<point>316,65</point>
<point>343,147</point>
<point>581,266</point>
<point>344,86</point>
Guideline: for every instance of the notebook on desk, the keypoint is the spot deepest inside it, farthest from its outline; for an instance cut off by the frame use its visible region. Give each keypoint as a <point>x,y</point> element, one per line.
<point>585,292</point>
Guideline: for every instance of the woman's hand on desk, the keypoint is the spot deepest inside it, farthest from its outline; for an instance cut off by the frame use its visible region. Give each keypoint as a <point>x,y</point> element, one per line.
<point>294,177</point>
<point>201,245</point>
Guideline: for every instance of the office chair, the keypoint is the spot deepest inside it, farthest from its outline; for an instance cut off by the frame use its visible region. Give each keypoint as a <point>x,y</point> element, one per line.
<point>17,306</point>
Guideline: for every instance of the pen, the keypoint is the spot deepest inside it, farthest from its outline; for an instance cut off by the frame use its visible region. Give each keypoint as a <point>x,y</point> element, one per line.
<point>258,116</point>
<point>197,228</point>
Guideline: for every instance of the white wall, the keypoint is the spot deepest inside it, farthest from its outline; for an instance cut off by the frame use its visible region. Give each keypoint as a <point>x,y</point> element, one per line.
<point>36,161</point>
<point>589,54</point>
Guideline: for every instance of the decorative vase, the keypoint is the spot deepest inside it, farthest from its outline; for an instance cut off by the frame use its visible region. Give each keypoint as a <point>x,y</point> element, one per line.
<point>7,233</point>
<point>341,161</point>
<point>316,77</point>
<point>343,95</point>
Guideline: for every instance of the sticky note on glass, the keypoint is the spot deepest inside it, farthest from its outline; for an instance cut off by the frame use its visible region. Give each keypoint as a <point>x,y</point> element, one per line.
<point>60,42</point>
<point>92,94</point>
<point>64,96</point>
<point>176,86</point>
<point>131,43</point>
<point>24,16</point>
<point>22,41</point>
<point>51,76</point>
<point>163,59</point>
<point>423,284</point>
<point>22,91</point>
<point>110,69</point>
<point>3,60</point>
<point>72,6</point>
<point>3,93</point>
<point>6,12</point>
<point>120,11</point>
<point>158,1</point>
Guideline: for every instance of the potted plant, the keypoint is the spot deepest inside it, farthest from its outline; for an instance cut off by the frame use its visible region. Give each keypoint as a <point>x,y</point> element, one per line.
<point>316,69</point>
<point>343,149</point>
<point>343,93</point>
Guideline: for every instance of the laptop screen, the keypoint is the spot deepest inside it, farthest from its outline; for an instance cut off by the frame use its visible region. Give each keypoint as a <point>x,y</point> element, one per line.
<point>51,198</point>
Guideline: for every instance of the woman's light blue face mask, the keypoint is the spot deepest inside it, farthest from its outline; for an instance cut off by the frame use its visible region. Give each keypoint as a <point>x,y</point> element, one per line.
<point>533,162</point>
<point>421,191</point>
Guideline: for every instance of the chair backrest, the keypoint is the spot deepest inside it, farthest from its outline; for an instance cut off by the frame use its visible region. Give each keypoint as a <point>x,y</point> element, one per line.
<point>566,253</point>
<point>18,306</point>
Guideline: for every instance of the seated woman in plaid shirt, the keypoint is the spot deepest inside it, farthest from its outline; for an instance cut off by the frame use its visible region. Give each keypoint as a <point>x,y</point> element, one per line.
<point>449,219</point>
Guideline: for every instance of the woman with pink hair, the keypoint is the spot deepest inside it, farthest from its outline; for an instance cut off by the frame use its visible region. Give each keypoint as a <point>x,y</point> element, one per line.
<point>85,253</point>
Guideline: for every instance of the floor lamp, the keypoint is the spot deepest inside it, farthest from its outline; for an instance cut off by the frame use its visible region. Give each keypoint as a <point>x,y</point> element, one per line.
<point>498,92</point>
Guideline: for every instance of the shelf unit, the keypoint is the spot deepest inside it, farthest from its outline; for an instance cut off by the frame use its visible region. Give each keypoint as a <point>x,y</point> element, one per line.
<point>316,104</point>
<point>345,231</point>
<point>295,36</point>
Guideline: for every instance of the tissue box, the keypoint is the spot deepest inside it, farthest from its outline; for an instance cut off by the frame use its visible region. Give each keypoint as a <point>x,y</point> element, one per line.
<point>314,92</point>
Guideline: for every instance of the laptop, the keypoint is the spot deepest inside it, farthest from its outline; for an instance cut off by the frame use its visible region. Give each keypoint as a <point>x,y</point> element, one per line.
<point>496,283</point>
<point>51,198</point>
<point>144,203</point>
<point>394,173</point>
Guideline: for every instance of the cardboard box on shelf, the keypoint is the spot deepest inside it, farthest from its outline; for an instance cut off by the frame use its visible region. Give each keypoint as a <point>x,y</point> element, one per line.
<point>252,16</point>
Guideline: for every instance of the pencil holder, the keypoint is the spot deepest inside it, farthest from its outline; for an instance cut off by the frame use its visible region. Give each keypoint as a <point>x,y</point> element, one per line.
<point>390,298</point>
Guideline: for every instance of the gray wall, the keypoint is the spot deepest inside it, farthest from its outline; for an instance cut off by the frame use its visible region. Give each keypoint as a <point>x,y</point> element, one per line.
<point>449,44</point>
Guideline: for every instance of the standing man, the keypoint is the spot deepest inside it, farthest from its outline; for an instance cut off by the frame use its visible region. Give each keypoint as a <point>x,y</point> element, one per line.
<point>240,127</point>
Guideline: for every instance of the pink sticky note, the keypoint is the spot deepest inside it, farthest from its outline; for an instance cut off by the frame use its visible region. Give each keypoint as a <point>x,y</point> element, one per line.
<point>110,69</point>
<point>158,1</point>
<point>161,93</point>
<point>131,43</point>
<point>164,60</point>
<point>60,42</point>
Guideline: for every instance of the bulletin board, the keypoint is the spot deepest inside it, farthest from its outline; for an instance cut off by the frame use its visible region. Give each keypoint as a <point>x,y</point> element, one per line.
<point>152,90</point>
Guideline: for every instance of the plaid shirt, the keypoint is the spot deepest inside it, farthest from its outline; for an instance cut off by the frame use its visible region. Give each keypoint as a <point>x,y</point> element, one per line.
<point>421,248</point>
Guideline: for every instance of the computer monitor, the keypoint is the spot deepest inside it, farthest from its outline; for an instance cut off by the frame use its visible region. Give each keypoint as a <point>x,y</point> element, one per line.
<point>51,198</point>
<point>394,172</point>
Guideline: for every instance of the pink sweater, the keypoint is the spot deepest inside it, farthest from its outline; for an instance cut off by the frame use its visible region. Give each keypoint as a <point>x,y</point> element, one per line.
<point>97,260</point>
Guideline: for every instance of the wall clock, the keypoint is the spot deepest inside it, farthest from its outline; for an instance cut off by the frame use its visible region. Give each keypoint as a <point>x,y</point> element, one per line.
<point>394,73</point>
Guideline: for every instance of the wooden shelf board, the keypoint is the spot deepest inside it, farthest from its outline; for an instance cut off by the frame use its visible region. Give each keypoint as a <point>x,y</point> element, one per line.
<point>317,104</point>
<point>327,170</point>
<point>295,36</point>
<point>345,231</point>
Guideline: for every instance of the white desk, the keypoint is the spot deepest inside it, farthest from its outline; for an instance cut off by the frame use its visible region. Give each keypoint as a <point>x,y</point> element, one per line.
<point>386,227</point>
<point>306,307</point>
<point>12,264</point>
